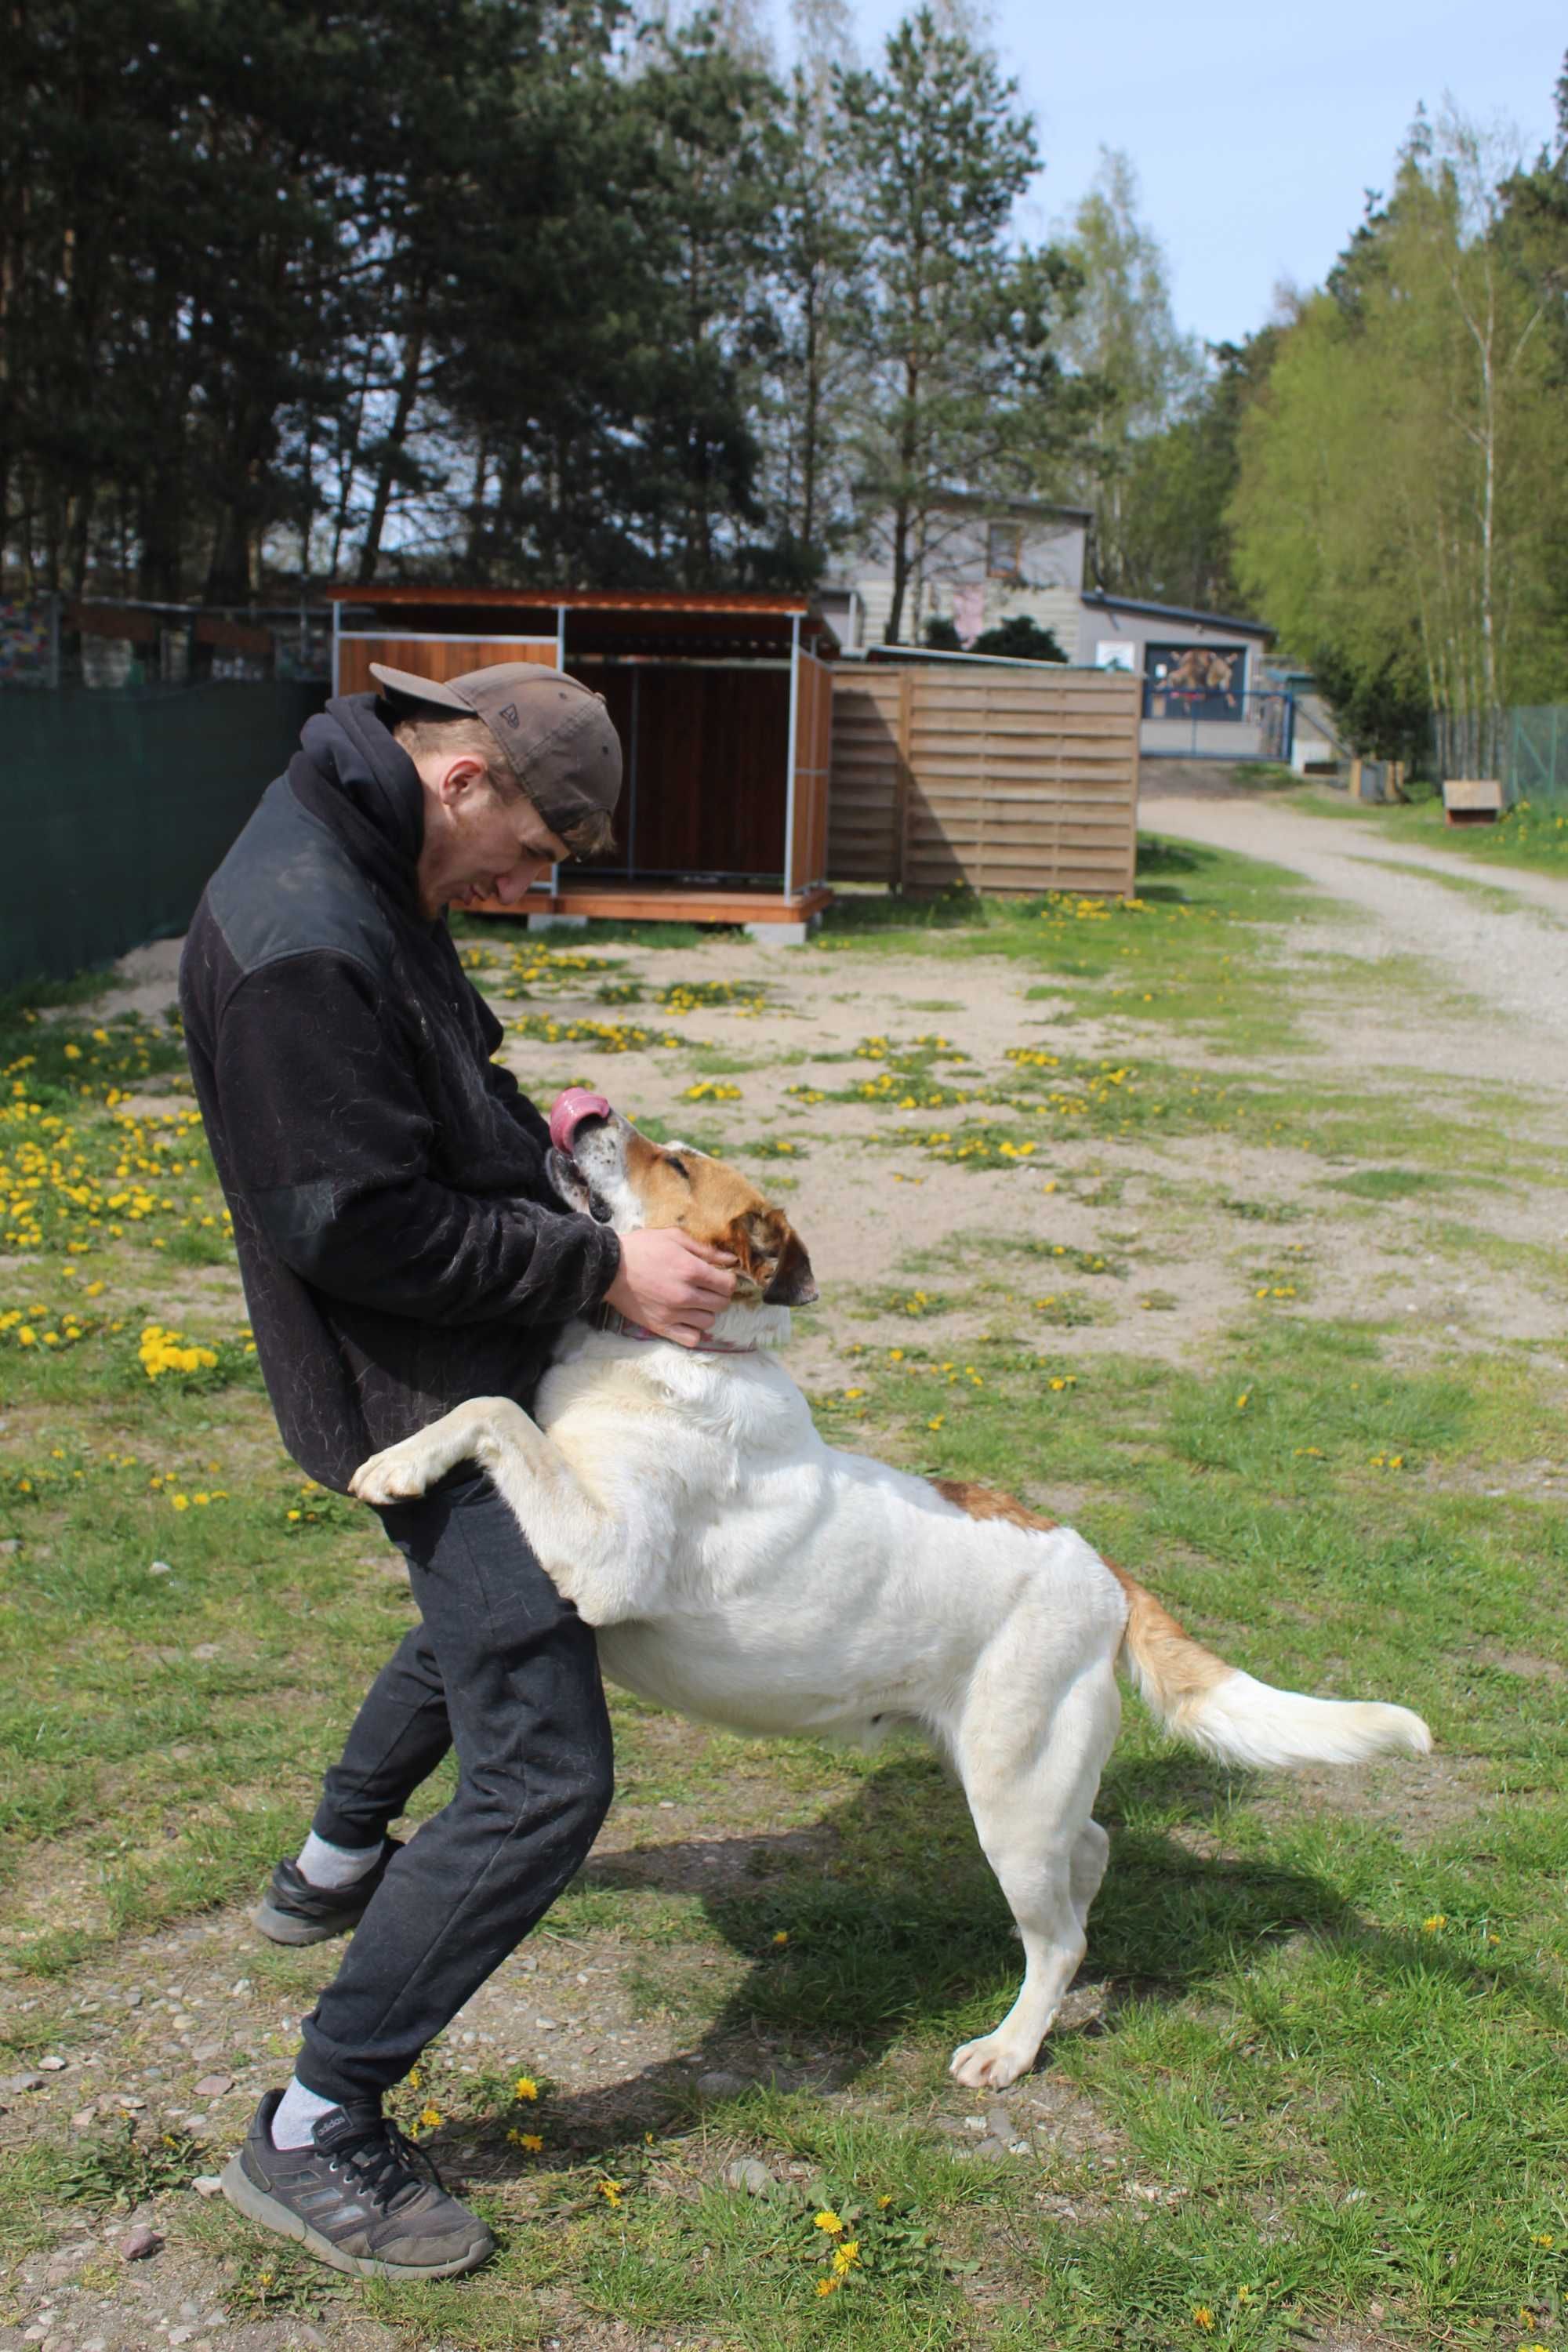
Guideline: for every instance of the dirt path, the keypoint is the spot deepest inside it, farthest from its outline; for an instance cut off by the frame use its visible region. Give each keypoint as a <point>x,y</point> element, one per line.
<point>1512,957</point>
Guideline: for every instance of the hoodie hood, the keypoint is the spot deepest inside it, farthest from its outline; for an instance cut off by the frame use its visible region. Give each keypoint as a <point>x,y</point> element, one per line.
<point>350,772</point>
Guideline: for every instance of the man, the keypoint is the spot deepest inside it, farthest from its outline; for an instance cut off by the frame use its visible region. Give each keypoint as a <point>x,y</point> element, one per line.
<point>402,1250</point>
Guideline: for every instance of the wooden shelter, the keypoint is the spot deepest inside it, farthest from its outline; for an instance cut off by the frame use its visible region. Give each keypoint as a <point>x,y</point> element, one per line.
<point>723,704</point>
<point>1005,777</point>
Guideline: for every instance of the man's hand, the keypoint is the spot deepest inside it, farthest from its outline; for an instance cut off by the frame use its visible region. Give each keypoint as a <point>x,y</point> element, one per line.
<point>673,1285</point>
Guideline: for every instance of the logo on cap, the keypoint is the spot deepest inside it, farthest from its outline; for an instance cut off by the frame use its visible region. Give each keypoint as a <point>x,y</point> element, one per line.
<point>509,714</point>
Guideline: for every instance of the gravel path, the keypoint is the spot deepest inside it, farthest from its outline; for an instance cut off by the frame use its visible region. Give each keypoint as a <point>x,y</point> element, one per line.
<point>1514,957</point>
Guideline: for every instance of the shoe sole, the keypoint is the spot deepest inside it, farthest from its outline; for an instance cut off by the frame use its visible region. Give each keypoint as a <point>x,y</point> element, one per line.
<point>279,1928</point>
<point>268,2213</point>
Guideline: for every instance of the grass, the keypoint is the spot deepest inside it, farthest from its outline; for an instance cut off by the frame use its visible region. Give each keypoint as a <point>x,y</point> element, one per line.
<point>1531,836</point>
<point>1318,2092</point>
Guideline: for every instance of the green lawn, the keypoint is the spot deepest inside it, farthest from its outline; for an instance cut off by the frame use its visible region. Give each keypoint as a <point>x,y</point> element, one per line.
<point>1317,2082</point>
<point>1533,834</point>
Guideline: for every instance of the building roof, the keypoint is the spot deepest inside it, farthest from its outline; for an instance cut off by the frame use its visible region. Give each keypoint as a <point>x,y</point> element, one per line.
<point>1108,603</point>
<point>631,620</point>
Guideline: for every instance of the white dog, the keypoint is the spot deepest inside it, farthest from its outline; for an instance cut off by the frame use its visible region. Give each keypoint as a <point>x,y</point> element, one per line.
<point>738,1569</point>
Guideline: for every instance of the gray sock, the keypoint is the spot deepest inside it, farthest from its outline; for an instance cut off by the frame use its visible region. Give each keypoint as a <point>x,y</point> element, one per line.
<point>327,1866</point>
<point>298,2113</point>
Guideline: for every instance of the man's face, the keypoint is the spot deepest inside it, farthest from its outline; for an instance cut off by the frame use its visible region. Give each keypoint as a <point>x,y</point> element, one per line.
<point>478,845</point>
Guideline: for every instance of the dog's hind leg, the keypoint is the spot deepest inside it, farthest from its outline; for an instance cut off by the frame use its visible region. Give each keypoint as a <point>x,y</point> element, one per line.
<point>1031,1798</point>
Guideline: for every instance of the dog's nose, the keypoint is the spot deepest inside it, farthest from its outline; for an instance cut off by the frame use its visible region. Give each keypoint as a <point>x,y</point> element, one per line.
<point>569,1110</point>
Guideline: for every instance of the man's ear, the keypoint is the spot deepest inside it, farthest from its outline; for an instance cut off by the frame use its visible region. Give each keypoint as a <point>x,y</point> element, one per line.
<point>464,771</point>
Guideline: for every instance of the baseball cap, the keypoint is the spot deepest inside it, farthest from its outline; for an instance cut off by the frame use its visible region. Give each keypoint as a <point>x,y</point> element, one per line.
<point>556,733</point>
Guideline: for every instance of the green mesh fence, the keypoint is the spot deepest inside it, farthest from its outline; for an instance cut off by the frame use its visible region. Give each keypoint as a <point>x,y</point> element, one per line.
<point>118,805</point>
<point>1535,753</point>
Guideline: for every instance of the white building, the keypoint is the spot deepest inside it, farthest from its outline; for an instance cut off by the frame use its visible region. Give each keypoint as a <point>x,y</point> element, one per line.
<point>1204,689</point>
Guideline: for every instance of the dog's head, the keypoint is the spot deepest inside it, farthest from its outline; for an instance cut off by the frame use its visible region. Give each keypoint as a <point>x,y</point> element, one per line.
<point>603,1167</point>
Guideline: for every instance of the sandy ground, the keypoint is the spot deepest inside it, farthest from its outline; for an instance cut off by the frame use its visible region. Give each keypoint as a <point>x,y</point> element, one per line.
<point>1513,956</point>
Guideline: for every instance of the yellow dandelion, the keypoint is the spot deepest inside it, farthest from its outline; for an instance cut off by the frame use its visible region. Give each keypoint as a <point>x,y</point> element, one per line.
<point>532,2141</point>
<point>430,2118</point>
<point>1203,2317</point>
<point>827,2286</point>
<point>1438,1920</point>
<point>610,2191</point>
<point>781,1936</point>
<point>828,2222</point>
<point>525,2087</point>
<point>846,2256</point>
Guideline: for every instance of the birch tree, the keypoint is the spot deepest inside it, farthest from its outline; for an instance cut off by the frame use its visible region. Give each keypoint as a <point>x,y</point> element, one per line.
<point>1403,492</point>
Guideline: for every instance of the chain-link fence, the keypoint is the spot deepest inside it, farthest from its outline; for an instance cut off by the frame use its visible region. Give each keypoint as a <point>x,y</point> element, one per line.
<point>1535,753</point>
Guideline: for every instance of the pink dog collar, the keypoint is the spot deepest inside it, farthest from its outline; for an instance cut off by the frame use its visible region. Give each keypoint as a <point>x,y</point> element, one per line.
<point>619,1327</point>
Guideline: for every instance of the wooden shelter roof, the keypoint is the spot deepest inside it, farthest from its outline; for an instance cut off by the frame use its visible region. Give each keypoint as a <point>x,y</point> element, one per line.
<point>604,620</point>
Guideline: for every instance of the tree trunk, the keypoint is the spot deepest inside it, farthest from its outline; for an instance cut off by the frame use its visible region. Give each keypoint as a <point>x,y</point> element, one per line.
<point>397,437</point>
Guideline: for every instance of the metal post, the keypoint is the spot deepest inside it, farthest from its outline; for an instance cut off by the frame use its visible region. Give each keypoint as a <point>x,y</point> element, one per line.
<point>794,718</point>
<point>337,632</point>
<point>560,663</point>
<point>632,770</point>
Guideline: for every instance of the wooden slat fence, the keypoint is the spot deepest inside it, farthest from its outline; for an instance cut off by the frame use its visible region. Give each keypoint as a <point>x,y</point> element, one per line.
<point>1006,779</point>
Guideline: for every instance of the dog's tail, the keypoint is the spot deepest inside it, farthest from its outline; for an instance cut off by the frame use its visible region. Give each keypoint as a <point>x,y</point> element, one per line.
<point>1198,1697</point>
<point>1240,1721</point>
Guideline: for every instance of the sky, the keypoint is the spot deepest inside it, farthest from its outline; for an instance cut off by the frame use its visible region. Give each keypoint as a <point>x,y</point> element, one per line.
<point>1255,130</point>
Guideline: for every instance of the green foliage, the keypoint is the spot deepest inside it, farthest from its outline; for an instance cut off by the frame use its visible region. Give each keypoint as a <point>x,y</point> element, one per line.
<point>119,2168</point>
<point>960,379</point>
<point>1403,499</point>
<point>1020,637</point>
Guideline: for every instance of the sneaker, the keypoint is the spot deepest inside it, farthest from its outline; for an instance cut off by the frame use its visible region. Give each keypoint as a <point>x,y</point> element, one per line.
<point>362,2197</point>
<point>293,1911</point>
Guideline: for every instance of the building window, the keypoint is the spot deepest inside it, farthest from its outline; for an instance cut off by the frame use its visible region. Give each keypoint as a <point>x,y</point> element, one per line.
<point>1004,550</point>
<point>1195,681</point>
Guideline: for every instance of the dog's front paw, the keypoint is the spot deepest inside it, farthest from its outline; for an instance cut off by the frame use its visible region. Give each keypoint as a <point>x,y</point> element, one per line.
<point>395,1476</point>
<point>991,2064</point>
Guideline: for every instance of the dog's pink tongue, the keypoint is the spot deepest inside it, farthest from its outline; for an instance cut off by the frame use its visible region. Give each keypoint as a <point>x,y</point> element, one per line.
<point>569,1110</point>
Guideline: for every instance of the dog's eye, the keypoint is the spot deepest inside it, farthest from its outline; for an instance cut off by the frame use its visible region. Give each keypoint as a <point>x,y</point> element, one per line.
<point>680,1167</point>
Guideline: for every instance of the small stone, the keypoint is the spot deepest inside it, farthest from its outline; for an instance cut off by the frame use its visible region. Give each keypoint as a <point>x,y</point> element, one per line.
<point>181,2334</point>
<point>548,2024</point>
<point>206,1650</point>
<point>52,2065</point>
<point>139,2245</point>
<point>134,1998</point>
<point>207,2184</point>
<point>11,1544</point>
<point>17,2083</point>
<point>84,2118</point>
<point>205,2050</point>
<point>159,1567</point>
<point>213,2087</point>
<point>748,2172</point>
<point>721,2084</point>
<point>990,2145</point>
<point>1375,2312</point>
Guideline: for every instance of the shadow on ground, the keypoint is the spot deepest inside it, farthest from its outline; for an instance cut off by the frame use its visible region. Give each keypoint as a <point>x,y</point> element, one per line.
<point>897,1932</point>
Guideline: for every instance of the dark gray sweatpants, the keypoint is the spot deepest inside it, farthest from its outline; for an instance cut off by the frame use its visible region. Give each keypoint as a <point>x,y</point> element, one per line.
<point>504,1671</point>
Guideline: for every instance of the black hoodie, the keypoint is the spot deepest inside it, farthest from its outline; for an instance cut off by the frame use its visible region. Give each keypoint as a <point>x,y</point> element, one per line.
<point>400,1244</point>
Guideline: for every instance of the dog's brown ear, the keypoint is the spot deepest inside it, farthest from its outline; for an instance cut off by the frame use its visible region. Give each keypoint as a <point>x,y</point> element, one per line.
<point>792,1284</point>
<point>772,1259</point>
